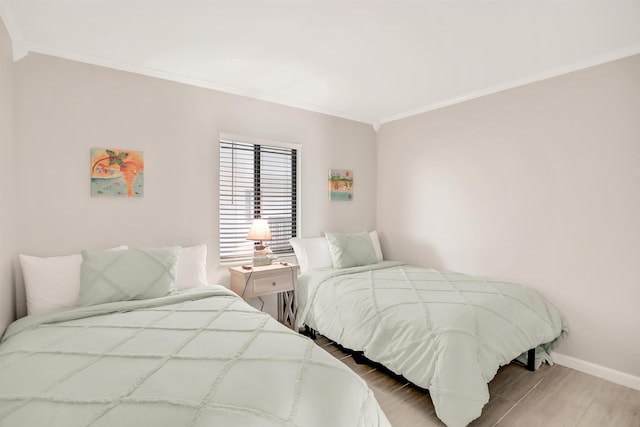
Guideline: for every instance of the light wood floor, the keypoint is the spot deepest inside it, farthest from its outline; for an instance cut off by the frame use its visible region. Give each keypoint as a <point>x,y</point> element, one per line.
<point>551,396</point>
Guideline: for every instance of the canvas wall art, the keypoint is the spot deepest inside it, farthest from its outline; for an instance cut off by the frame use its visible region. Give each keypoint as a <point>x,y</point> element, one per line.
<point>117,173</point>
<point>340,184</point>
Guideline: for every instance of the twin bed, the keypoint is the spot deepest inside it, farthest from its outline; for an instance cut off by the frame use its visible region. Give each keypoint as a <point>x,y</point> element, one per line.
<point>445,332</point>
<point>142,342</point>
<point>189,357</point>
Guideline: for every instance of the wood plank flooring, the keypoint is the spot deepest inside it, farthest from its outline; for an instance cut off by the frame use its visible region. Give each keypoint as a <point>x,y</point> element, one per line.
<point>551,396</point>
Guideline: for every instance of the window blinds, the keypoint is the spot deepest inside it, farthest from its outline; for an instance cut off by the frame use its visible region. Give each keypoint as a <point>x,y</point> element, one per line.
<point>256,180</point>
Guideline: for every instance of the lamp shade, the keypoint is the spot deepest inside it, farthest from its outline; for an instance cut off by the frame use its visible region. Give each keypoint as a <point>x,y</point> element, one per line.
<point>259,230</point>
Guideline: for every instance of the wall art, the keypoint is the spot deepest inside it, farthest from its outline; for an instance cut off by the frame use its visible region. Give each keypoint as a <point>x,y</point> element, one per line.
<point>117,173</point>
<point>340,184</point>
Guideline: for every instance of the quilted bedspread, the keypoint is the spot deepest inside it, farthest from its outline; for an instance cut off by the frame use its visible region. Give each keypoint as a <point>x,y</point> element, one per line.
<point>447,332</point>
<point>202,358</point>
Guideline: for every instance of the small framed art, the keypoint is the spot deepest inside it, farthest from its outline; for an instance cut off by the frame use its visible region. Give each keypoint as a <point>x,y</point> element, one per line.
<point>340,184</point>
<point>117,173</point>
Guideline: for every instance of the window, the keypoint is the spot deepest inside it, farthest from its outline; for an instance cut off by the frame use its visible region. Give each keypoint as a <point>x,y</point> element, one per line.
<point>257,180</point>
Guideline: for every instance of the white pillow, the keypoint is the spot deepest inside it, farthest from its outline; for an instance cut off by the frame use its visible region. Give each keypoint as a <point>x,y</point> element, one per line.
<point>192,267</point>
<point>52,283</point>
<point>376,245</point>
<point>312,253</point>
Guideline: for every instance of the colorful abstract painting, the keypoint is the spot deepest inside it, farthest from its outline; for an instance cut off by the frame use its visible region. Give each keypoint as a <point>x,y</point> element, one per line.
<point>117,173</point>
<point>340,184</point>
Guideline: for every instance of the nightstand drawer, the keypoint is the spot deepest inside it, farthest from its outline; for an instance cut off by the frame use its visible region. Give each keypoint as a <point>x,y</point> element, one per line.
<point>267,285</point>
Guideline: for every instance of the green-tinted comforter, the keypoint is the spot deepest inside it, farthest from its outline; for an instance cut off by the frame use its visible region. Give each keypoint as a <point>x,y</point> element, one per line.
<point>203,358</point>
<point>447,332</point>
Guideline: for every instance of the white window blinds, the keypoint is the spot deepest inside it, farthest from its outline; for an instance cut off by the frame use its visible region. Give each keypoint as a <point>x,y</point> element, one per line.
<point>256,180</point>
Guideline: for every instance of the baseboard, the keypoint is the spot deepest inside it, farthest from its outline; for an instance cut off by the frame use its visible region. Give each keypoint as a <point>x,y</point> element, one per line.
<point>599,371</point>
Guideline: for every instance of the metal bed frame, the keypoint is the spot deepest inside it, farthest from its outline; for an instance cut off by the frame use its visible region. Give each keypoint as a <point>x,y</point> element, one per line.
<point>360,358</point>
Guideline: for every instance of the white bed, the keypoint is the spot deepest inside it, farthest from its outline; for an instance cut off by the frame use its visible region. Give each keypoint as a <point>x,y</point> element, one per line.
<point>446,332</point>
<point>198,357</point>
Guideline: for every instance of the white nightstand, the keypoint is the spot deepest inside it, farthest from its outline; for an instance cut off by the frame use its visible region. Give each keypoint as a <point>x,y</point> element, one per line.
<point>267,280</point>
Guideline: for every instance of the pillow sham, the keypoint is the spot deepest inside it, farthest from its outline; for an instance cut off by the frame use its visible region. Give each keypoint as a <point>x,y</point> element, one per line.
<point>376,245</point>
<point>132,274</point>
<point>351,250</point>
<point>312,253</point>
<point>192,267</point>
<point>52,283</point>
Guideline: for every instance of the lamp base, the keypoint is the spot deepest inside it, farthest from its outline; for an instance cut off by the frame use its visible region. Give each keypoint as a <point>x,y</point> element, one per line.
<point>259,261</point>
<point>261,251</point>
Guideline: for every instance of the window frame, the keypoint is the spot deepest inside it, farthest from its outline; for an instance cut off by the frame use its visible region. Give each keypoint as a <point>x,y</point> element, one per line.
<point>267,142</point>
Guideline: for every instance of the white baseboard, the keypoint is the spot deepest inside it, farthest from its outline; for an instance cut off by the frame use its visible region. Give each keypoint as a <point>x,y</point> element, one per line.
<point>599,371</point>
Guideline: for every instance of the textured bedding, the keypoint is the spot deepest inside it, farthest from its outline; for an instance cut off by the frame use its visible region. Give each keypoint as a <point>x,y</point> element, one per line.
<point>201,358</point>
<point>443,331</point>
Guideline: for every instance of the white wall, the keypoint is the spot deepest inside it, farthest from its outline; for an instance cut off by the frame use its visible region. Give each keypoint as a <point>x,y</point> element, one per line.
<point>539,185</point>
<point>63,108</point>
<point>7,193</point>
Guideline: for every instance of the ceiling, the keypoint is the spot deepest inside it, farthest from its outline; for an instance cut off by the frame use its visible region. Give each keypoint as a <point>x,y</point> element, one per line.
<point>367,60</point>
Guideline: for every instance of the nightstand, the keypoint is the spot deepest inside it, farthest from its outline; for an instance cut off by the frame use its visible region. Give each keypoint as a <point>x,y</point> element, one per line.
<point>267,280</point>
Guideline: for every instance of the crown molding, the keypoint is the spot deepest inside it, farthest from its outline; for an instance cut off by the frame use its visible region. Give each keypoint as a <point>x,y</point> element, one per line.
<point>184,79</point>
<point>18,47</point>
<point>21,48</point>
<point>577,66</point>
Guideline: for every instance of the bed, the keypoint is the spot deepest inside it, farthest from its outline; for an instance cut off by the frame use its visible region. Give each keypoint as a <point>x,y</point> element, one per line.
<point>194,357</point>
<point>443,331</point>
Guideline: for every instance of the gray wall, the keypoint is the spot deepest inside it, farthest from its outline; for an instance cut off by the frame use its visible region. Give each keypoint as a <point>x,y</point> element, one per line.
<point>538,185</point>
<point>7,188</point>
<point>63,108</point>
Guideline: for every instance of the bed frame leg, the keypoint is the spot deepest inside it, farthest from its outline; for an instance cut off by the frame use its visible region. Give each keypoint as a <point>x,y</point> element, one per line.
<point>358,357</point>
<point>311,333</point>
<point>531,360</point>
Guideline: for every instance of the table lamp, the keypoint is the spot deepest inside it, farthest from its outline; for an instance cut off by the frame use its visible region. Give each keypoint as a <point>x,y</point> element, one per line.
<point>260,232</point>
